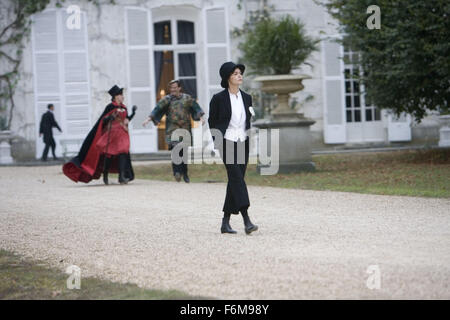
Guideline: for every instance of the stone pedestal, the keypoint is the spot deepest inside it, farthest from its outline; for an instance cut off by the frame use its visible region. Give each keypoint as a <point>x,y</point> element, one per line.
<point>5,147</point>
<point>294,141</point>
<point>294,129</point>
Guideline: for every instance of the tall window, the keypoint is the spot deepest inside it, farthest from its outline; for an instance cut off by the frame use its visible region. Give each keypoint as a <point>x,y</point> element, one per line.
<point>175,56</point>
<point>358,108</point>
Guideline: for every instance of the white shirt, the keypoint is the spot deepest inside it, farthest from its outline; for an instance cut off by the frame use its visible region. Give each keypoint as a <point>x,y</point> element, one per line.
<point>236,127</point>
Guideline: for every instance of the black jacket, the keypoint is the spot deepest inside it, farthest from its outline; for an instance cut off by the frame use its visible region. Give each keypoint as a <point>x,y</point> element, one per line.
<point>46,125</point>
<point>220,110</point>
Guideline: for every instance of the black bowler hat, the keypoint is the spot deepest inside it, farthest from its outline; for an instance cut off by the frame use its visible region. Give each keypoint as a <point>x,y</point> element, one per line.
<point>115,91</point>
<point>226,70</point>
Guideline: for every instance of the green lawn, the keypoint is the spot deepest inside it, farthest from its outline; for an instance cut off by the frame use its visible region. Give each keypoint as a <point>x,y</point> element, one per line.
<point>30,280</point>
<point>414,173</point>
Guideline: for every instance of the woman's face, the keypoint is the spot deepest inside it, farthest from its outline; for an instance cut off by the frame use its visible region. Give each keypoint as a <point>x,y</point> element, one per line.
<point>236,77</point>
<point>119,98</point>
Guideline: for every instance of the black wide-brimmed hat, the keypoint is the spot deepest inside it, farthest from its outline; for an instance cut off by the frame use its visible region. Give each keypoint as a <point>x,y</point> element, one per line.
<point>115,91</point>
<point>226,70</point>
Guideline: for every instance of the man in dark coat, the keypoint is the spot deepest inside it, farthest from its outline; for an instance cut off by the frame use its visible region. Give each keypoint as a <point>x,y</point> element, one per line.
<point>47,124</point>
<point>95,157</point>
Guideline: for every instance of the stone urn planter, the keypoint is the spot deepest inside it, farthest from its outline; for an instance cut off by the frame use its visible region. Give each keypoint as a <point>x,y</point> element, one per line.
<point>5,147</point>
<point>282,85</point>
<point>294,129</point>
<point>444,130</point>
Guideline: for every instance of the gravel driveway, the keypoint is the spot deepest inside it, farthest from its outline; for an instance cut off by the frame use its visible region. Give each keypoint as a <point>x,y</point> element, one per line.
<point>165,235</point>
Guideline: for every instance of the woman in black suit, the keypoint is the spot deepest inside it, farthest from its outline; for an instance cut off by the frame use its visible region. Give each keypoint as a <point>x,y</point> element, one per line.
<point>229,114</point>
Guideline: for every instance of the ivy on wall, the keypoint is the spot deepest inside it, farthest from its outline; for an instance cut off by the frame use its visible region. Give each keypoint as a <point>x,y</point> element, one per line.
<point>14,31</point>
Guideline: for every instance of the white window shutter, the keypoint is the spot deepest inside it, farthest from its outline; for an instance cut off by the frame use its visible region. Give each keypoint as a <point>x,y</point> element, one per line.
<point>47,73</point>
<point>61,76</point>
<point>334,104</point>
<point>139,60</point>
<point>140,83</point>
<point>139,68</point>
<point>45,31</point>
<point>217,52</point>
<point>76,78</point>
<point>399,128</point>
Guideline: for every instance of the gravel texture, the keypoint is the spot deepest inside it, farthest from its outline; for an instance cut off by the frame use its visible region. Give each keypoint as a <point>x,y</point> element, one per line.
<point>165,235</point>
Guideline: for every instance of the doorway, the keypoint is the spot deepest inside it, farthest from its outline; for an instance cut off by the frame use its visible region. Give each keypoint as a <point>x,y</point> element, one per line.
<point>175,57</point>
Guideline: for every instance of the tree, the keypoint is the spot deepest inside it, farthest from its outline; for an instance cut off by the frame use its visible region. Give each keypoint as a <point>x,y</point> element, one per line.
<point>276,46</point>
<point>406,62</point>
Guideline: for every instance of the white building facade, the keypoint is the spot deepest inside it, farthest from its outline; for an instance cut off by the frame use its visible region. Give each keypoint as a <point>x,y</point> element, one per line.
<point>139,45</point>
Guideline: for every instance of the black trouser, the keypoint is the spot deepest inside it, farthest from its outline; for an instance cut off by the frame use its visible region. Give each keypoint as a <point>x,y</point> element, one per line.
<point>236,198</point>
<point>182,167</point>
<point>49,142</point>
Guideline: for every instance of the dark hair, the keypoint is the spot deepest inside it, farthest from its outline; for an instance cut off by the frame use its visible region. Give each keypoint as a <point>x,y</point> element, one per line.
<point>50,105</point>
<point>178,82</point>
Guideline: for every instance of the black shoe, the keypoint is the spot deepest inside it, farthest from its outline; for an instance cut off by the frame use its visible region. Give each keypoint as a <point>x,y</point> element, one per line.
<point>105,178</point>
<point>226,228</point>
<point>124,181</point>
<point>249,226</point>
<point>43,160</point>
<point>186,178</point>
<point>55,159</point>
<point>178,176</point>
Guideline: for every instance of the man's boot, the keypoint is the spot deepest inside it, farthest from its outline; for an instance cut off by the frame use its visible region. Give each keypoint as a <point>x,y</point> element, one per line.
<point>249,226</point>
<point>106,170</point>
<point>226,228</point>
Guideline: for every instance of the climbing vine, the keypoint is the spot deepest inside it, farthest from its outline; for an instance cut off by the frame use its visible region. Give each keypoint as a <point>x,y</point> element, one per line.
<point>15,28</point>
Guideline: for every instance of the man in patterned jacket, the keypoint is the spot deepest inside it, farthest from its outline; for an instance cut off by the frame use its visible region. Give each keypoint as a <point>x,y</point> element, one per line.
<point>178,108</point>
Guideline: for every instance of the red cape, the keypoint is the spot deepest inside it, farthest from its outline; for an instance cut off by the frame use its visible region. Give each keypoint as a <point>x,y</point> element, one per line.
<point>88,164</point>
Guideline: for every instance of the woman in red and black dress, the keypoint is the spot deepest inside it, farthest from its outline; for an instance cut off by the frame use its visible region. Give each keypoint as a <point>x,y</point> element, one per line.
<point>106,148</point>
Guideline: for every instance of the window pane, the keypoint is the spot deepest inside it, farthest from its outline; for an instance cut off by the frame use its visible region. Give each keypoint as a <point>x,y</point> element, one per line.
<point>162,32</point>
<point>349,116</point>
<point>189,87</point>
<point>368,114</point>
<point>347,73</point>
<point>164,72</point>
<point>356,86</point>
<point>348,87</point>
<point>347,58</point>
<point>357,101</point>
<point>348,101</point>
<point>185,31</point>
<point>186,63</point>
<point>377,114</point>
<point>357,115</point>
